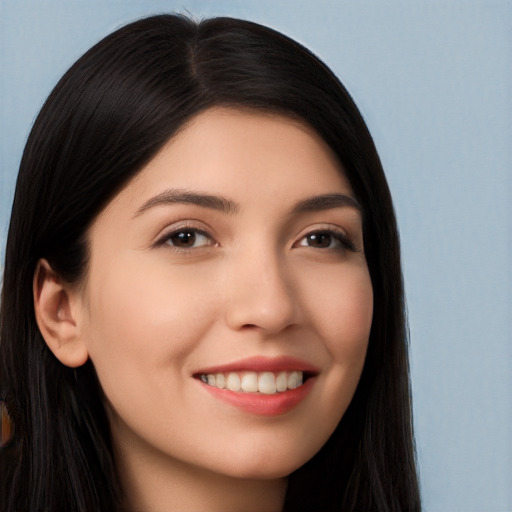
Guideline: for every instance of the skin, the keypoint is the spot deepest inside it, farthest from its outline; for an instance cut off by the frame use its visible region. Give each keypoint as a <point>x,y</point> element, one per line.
<point>150,314</point>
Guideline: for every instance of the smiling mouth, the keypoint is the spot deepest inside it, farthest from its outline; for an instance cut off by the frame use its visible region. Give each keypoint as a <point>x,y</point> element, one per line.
<point>263,386</point>
<point>266,382</point>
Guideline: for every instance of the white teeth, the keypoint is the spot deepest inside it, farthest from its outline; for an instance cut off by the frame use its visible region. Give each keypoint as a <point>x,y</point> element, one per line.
<point>250,382</point>
<point>267,383</point>
<point>233,382</point>
<point>281,382</point>
<point>294,380</point>
<point>220,381</point>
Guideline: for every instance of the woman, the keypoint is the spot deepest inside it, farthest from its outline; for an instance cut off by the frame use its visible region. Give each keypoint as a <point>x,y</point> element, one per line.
<point>202,305</point>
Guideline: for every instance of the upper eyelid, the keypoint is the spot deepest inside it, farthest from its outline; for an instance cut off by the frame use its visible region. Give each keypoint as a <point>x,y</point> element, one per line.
<point>184,226</point>
<point>324,226</point>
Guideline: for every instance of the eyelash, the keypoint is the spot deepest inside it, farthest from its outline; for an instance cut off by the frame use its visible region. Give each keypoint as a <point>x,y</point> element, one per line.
<point>344,242</point>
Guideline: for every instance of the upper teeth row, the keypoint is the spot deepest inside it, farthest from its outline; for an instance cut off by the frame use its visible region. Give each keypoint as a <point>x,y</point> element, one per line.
<point>254,382</point>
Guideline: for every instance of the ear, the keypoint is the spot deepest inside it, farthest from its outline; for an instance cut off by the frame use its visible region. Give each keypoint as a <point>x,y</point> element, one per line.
<point>57,314</point>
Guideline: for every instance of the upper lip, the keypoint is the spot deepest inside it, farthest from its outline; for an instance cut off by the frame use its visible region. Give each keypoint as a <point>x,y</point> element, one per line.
<point>262,364</point>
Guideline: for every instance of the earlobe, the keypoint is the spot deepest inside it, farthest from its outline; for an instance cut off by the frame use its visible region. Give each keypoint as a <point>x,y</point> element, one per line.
<point>57,317</point>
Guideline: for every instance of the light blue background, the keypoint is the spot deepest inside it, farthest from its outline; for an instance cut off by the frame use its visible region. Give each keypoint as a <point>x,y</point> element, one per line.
<point>434,82</point>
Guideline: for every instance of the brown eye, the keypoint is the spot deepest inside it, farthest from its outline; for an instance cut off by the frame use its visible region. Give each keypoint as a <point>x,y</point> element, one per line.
<point>319,240</point>
<point>326,239</point>
<point>188,239</point>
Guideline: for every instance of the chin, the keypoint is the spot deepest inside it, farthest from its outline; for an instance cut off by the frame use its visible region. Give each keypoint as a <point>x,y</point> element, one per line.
<point>265,467</point>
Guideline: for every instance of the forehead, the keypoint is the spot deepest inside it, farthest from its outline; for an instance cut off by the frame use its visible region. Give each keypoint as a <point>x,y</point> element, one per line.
<point>245,155</point>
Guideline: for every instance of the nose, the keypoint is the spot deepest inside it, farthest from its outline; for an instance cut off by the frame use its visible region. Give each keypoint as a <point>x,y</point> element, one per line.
<point>260,293</point>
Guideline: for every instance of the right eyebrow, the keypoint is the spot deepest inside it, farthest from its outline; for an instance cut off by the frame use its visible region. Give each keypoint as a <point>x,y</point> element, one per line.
<point>172,196</point>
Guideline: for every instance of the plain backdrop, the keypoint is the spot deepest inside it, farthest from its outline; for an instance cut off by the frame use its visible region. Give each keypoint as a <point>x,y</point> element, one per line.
<point>434,82</point>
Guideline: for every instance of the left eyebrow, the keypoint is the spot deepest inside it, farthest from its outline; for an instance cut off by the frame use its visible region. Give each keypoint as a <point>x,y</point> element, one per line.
<point>173,196</point>
<point>326,202</point>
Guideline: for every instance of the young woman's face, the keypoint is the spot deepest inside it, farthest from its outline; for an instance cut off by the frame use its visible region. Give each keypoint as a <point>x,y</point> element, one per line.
<point>233,260</point>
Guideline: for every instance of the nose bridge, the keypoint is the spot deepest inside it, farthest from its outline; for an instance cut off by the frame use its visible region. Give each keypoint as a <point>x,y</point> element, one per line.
<point>260,291</point>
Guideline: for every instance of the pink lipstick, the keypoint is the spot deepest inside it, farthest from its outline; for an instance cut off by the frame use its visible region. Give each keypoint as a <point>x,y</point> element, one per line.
<point>260,385</point>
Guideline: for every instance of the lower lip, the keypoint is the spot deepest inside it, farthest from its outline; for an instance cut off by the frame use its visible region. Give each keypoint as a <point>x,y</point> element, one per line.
<point>259,403</point>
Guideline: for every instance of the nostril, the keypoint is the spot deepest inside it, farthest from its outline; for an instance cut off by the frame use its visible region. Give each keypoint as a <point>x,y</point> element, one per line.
<point>263,307</point>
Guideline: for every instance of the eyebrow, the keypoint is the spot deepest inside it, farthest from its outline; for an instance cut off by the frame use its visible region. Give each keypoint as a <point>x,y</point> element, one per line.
<point>224,205</point>
<point>326,202</point>
<point>172,196</point>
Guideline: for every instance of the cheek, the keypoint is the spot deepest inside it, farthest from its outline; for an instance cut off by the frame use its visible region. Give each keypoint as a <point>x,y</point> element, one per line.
<point>139,321</point>
<point>354,319</point>
<point>344,320</point>
<point>343,307</point>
